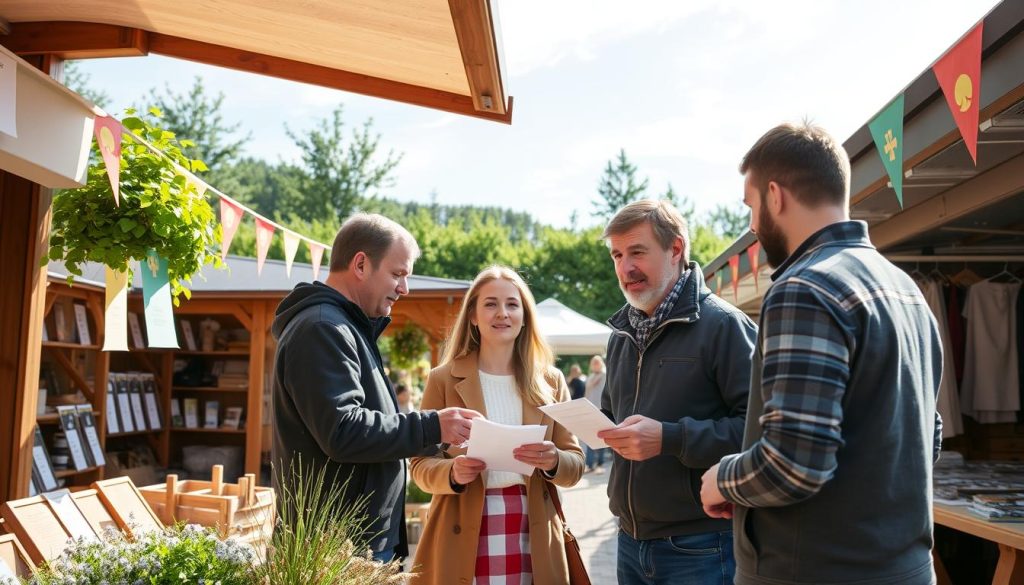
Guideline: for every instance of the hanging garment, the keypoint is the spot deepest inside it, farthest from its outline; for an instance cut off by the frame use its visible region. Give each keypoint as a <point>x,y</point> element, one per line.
<point>955,323</point>
<point>948,400</point>
<point>990,392</point>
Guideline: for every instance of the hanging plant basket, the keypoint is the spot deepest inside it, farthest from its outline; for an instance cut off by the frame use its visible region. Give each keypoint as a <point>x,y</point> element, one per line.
<point>159,210</point>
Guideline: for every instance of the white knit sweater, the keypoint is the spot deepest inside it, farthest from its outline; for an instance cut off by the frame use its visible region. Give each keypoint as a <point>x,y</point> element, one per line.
<point>505,406</point>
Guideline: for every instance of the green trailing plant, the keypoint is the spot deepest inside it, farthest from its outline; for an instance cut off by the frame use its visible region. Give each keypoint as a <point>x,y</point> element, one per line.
<point>159,210</point>
<point>182,554</point>
<point>408,345</point>
<point>414,494</point>
<point>318,540</point>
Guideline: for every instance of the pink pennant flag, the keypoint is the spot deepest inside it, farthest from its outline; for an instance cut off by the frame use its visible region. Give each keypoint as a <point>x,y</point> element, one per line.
<point>291,246</point>
<point>754,255</point>
<point>316,254</point>
<point>230,218</point>
<point>264,233</point>
<point>108,138</point>
<point>734,268</point>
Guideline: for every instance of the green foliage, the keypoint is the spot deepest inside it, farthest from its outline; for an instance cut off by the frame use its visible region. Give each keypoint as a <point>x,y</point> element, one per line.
<point>414,494</point>
<point>729,221</point>
<point>184,554</point>
<point>159,210</point>
<point>317,540</point>
<point>196,116</point>
<point>619,185</point>
<point>407,347</point>
<point>78,81</point>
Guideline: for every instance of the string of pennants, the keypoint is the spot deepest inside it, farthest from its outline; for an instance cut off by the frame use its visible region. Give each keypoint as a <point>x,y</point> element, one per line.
<point>155,278</point>
<point>958,72</point>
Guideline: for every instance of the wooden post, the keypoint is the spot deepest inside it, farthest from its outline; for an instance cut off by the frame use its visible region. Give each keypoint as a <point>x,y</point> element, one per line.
<point>170,500</point>
<point>257,362</point>
<point>217,481</point>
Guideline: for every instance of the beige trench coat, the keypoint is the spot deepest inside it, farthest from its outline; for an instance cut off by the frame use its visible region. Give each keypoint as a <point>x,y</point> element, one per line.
<point>446,554</point>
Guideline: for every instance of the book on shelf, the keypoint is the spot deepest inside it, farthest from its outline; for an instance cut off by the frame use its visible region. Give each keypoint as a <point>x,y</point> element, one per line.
<point>187,333</point>
<point>191,413</point>
<point>60,322</point>
<point>124,405</point>
<point>112,425</point>
<point>87,424</point>
<point>152,402</point>
<point>999,507</point>
<point>135,394</point>
<point>42,467</point>
<point>211,411</point>
<point>176,419</point>
<point>138,341</point>
<point>80,458</point>
<point>232,418</point>
<point>82,324</point>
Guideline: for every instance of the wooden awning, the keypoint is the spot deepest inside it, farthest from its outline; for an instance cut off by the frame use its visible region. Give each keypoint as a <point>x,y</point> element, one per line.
<point>432,53</point>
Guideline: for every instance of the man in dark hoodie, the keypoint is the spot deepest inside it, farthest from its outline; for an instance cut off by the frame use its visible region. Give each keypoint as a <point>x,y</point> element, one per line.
<point>333,406</point>
<point>678,377</point>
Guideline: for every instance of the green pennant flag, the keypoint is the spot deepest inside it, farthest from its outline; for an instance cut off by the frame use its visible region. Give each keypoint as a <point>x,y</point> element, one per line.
<point>887,130</point>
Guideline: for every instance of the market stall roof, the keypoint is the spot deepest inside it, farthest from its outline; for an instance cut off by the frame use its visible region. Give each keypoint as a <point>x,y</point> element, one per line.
<point>438,54</point>
<point>570,333</point>
<point>952,208</point>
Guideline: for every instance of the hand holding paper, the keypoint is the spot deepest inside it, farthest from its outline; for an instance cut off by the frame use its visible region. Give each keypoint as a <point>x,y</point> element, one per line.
<point>582,419</point>
<point>494,443</point>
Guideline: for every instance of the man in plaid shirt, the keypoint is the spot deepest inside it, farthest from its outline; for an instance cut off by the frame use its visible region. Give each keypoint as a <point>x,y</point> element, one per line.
<point>834,482</point>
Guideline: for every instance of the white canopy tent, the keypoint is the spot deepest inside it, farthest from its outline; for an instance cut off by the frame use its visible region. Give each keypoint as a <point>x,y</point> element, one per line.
<point>569,332</point>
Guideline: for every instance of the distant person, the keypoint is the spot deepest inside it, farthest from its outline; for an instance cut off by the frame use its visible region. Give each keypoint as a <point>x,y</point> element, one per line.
<point>594,392</point>
<point>577,382</point>
<point>678,377</point>
<point>834,484</point>
<point>404,397</point>
<point>333,405</point>
<point>489,527</point>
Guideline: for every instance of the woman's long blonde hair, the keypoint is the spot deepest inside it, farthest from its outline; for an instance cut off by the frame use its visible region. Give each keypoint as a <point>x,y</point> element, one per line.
<point>531,357</point>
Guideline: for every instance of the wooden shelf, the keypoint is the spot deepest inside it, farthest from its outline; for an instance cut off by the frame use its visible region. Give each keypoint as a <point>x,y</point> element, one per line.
<point>216,352</point>
<point>133,433</point>
<point>224,431</point>
<point>69,345</point>
<point>54,419</point>
<point>208,389</point>
<point>70,472</point>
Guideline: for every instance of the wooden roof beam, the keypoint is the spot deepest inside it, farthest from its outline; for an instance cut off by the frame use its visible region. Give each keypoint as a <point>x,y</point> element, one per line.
<point>478,44</point>
<point>76,40</point>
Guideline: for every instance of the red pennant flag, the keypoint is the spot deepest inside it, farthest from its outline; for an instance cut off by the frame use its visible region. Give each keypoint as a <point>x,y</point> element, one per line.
<point>264,234</point>
<point>230,219</point>
<point>734,267</point>
<point>291,246</point>
<point>718,287</point>
<point>316,255</point>
<point>959,75</point>
<point>108,138</point>
<point>754,255</point>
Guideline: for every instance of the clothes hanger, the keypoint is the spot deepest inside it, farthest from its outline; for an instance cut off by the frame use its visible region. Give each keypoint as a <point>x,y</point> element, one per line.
<point>1005,272</point>
<point>965,277</point>
<point>938,275</point>
<point>916,273</point>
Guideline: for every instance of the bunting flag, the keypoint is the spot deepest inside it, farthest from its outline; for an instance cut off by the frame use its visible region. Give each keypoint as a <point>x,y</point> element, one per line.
<point>291,246</point>
<point>115,322</point>
<point>108,138</point>
<point>316,255</point>
<point>959,75</point>
<point>734,268</point>
<point>887,130</point>
<point>156,299</point>
<point>754,255</point>
<point>718,279</point>
<point>230,219</point>
<point>264,234</point>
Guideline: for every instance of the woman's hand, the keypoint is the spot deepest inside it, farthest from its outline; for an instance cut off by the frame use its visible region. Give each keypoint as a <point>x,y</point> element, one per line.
<point>543,455</point>
<point>465,470</point>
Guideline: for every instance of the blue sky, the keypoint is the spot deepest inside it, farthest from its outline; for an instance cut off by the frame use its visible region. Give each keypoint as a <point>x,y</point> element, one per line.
<point>684,87</point>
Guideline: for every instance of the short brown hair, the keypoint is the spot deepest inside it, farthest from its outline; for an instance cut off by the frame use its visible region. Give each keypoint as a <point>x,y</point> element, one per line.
<point>665,220</point>
<point>805,159</point>
<point>371,234</point>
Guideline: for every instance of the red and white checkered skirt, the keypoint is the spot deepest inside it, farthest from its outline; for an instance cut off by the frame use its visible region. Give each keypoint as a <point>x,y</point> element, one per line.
<point>503,553</point>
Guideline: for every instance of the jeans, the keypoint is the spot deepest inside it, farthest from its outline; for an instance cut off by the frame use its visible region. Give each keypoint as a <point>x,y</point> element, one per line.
<point>692,559</point>
<point>595,457</point>
<point>385,556</point>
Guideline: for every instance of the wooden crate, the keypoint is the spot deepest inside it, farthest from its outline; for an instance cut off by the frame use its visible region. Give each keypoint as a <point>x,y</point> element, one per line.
<point>243,510</point>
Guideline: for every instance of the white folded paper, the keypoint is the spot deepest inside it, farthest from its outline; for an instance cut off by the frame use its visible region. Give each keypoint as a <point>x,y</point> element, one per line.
<point>581,418</point>
<point>493,444</point>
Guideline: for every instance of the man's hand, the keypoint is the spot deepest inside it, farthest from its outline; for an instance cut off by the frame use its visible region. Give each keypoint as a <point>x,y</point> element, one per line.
<point>637,438</point>
<point>542,455</point>
<point>711,498</point>
<point>455,425</point>
<point>465,470</point>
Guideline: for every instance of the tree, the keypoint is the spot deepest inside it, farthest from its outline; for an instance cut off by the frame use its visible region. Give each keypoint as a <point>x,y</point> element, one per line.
<point>196,116</point>
<point>339,174</point>
<point>618,187</point>
<point>729,222</point>
<point>78,81</point>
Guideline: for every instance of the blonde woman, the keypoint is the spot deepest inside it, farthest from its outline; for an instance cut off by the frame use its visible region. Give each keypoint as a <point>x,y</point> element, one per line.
<point>492,527</point>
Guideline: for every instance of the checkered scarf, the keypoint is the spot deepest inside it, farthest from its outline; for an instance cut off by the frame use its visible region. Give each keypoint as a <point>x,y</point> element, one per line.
<point>643,324</point>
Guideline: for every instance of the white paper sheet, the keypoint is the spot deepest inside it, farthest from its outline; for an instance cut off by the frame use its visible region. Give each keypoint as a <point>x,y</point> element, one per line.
<point>70,515</point>
<point>582,419</point>
<point>493,444</point>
